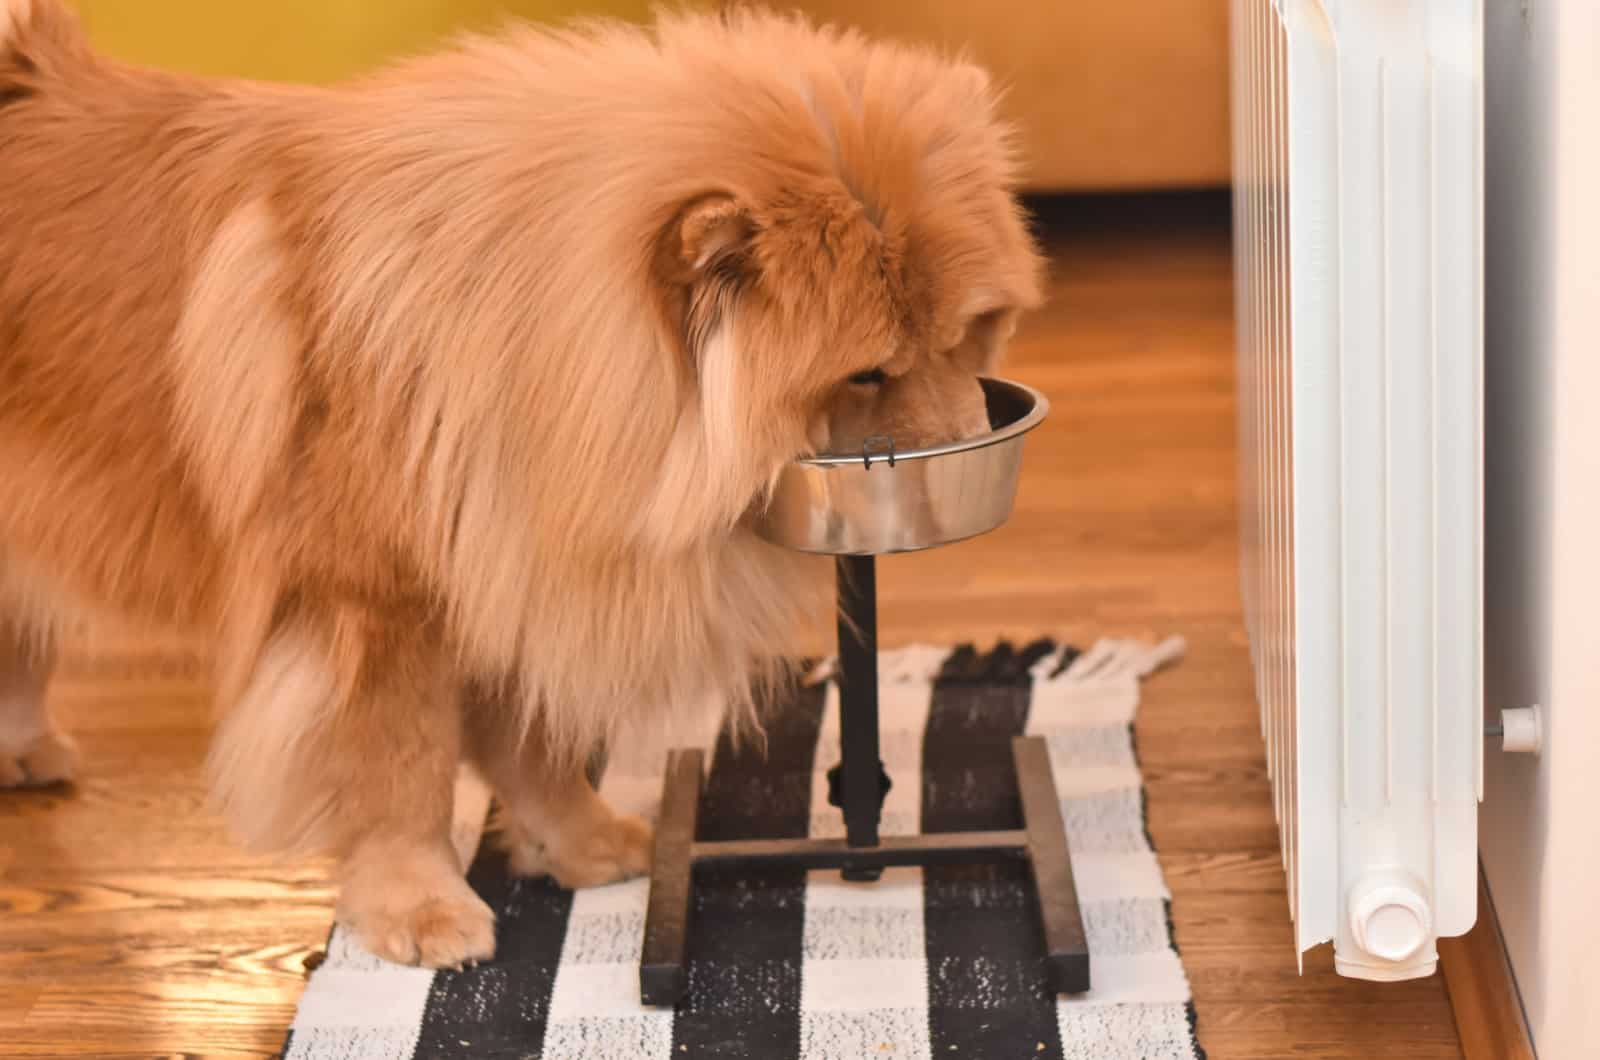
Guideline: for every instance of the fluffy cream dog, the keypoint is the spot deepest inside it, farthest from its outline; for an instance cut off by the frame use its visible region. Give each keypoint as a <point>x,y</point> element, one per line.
<point>441,399</point>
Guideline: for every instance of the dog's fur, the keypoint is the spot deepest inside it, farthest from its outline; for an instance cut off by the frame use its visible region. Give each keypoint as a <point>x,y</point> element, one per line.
<point>442,398</point>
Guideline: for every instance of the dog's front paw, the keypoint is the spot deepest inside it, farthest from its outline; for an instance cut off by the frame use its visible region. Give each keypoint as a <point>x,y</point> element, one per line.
<point>51,758</point>
<point>618,851</point>
<point>437,923</point>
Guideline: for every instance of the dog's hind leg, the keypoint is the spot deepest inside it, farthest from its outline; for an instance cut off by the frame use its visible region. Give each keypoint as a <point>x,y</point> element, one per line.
<point>33,750</point>
<point>347,738</point>
<point>553,822</point>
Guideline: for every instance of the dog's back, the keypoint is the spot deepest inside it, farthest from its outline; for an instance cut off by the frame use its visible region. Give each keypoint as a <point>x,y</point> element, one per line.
<point>87,290</point>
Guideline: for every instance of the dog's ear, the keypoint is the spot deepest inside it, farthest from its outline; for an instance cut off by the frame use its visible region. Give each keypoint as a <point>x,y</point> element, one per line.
<point>701,259</point>
<point>709,233</point>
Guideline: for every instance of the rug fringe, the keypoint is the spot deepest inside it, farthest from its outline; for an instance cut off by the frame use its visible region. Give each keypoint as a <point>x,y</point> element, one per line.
<point>1109,659</point>
<point>914,662</point>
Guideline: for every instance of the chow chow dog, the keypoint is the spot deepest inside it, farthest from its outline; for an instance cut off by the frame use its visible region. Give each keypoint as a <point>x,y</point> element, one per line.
<point>440,400</point>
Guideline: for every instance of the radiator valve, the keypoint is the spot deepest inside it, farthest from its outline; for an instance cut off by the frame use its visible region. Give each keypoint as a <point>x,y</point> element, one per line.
<point>1521,730</point>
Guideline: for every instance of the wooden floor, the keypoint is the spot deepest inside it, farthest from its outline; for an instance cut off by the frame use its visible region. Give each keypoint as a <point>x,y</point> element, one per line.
<point>131,926</point>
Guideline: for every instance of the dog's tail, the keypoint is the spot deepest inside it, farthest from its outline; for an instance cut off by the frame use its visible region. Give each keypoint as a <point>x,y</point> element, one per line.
<point>39,40</point>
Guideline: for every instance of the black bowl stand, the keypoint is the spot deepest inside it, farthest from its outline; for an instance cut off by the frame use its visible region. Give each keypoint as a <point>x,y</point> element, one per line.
<point>857,786</point>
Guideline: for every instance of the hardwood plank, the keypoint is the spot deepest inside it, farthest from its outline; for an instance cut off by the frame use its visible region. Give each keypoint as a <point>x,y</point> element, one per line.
<point>68,893</point>
<point>211,1014</point>
<point>16,1001</point>
<point>131,924</point>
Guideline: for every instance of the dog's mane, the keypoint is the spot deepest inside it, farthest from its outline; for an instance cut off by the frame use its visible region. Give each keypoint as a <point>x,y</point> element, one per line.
<point>555,391</point>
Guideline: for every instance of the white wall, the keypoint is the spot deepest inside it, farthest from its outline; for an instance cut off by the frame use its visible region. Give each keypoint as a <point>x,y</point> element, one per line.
<point>1540,822</point>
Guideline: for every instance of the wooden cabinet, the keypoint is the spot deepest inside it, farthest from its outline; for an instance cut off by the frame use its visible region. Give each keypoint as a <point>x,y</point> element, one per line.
<point>1107,95</point>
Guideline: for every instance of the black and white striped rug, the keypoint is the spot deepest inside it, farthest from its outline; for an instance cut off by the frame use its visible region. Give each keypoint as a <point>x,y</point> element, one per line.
<point>937,962</point>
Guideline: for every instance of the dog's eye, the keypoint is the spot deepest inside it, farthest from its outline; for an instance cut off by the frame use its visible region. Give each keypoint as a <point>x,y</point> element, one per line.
<point>873,378</point>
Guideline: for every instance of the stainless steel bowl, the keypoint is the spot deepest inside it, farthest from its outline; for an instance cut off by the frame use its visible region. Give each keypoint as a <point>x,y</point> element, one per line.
<point>879,501</point>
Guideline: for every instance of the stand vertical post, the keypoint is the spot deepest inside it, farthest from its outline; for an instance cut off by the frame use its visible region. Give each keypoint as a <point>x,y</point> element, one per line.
<point>861,784</point>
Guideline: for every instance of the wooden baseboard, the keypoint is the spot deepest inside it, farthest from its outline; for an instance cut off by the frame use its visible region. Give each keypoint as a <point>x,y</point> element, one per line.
<point>1483,995</point>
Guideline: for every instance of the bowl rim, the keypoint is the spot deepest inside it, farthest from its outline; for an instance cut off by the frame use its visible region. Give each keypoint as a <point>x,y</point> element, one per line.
<point>1031,419</point>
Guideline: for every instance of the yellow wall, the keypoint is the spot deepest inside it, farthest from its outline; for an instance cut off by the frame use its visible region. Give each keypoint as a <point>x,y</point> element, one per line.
<point>304,40</point>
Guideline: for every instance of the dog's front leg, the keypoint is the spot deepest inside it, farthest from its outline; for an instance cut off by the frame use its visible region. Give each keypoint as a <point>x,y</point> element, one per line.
<point>348,738</point>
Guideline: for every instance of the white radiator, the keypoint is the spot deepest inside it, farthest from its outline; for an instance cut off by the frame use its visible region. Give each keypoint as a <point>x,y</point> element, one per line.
<point>1358,196</point>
